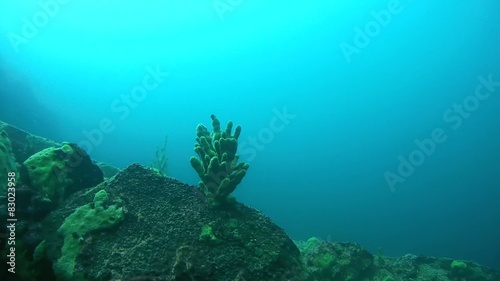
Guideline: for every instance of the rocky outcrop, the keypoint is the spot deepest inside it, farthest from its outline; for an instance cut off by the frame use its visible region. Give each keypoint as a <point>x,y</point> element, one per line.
<point>170,232</point>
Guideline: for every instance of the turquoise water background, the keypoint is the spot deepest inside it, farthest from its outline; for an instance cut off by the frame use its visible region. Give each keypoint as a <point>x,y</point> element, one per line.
<point>375,122</point>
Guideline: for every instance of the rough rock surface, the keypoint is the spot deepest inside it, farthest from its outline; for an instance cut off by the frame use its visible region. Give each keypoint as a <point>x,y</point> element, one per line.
<point>25,144</point>
<point>422,268</point>
<point>170,232</point>
<point>7,161</point>
<point>335,261</point>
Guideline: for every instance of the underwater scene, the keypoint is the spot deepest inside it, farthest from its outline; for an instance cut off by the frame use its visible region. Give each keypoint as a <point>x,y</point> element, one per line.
<point>250,140</point>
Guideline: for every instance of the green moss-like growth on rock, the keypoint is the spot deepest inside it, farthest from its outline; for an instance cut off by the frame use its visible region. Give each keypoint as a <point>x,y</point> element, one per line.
<point>217,165</point>
<point>56,172</point>
<point>46,172</point>
<point>458,265</point>
<point>462,270</point>
<point>335,261</point>
<point>207,234</point>
<point>91,217</point>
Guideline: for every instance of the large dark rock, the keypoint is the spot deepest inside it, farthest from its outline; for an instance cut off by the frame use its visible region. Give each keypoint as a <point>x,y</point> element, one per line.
<point>25,144</point>
<point>39,190</point>
<point>170,232</point>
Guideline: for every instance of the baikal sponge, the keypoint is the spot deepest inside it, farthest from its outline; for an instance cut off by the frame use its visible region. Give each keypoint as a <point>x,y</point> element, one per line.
<point>217,163</point>
<point>91,217</point>
<point>55,173</point>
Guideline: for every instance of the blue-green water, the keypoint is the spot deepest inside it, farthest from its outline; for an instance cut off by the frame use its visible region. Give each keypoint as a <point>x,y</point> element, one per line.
<point>375,122</point>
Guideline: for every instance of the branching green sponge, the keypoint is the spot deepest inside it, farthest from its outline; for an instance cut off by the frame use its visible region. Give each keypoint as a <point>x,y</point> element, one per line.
<point>217,165</point>
<point>85,219</point>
